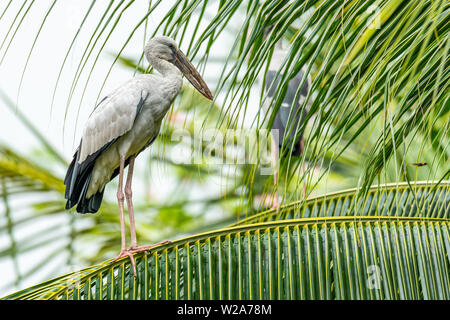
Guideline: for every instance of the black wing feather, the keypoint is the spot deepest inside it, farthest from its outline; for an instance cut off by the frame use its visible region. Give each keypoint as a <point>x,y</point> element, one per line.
<point>77,182</point>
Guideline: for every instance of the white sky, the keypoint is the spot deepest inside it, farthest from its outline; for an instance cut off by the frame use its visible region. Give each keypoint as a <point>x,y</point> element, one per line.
<point>39,81</point>
<point>34,99</point>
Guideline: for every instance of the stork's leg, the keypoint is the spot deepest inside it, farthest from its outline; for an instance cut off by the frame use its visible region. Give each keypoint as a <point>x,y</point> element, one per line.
<point>275,201</point>
<point>128,195</point>
<point>120,199</point>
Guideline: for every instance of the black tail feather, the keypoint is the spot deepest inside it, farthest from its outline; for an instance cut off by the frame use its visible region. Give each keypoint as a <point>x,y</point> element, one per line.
<point>78,178</point>
<point>77,183</point>
<point>90,205</point>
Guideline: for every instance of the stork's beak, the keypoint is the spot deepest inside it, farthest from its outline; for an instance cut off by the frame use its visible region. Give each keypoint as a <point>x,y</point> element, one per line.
<point>189,71</point>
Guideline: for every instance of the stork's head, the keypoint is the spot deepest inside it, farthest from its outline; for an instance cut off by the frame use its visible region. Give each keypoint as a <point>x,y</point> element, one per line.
<point>166,49</point>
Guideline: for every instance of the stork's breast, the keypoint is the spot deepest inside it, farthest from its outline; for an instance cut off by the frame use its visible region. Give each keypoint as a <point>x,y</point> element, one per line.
<point>145,128</point>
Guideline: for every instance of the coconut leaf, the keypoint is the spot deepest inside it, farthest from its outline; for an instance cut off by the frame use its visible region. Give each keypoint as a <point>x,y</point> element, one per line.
<point>360,256</point>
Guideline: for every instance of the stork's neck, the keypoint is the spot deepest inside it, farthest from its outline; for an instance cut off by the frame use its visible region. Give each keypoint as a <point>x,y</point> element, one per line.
<point>166,69</point>
<point>171,76</point>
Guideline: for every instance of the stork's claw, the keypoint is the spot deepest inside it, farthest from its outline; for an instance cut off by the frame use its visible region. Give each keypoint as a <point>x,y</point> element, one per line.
<point>132,250</point>
<point>275,206</point>
<point>127,253</point>
<point>275,202</point>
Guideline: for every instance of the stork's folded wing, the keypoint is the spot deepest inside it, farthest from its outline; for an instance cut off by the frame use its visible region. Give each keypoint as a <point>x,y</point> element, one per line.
<point>112,118</point>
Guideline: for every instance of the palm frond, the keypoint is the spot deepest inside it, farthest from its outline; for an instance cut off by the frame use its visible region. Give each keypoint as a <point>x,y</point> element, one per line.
<point>421,199</point>
<point>379,95</point>
<point>368,255</point>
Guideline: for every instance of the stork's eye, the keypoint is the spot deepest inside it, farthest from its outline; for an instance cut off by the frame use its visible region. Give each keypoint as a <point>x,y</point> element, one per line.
<point>173,57</point>
<point>173,50</point>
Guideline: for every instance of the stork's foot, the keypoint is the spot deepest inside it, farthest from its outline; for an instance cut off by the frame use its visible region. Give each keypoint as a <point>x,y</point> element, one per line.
<point>127,253</point>
<point>275,205</point>
<point>136,249</point>
<point>275,202</point>
<point>268,202</point>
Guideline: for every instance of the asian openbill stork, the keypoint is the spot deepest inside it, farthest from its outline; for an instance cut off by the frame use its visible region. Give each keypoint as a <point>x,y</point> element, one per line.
<point>290,116</point>
<point>124,123</point>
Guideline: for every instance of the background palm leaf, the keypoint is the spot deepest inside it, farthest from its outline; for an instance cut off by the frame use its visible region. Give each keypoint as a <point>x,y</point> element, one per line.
<point>368,255</point>
<point>423,199</point>
<point>380,102</point>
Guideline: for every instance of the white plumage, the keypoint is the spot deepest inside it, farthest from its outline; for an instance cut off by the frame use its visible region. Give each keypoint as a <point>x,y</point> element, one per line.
<point>124,123</point>
<point>116,118</point>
